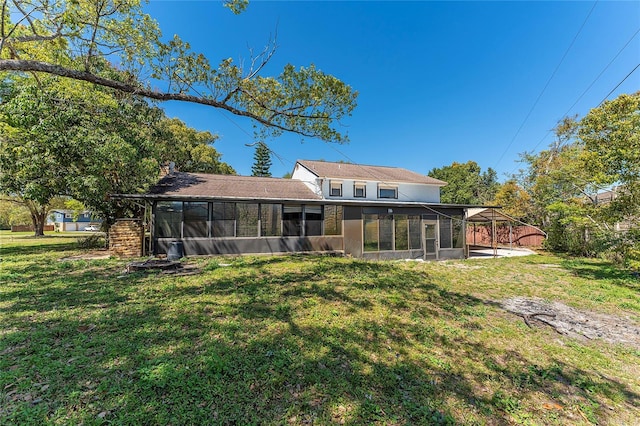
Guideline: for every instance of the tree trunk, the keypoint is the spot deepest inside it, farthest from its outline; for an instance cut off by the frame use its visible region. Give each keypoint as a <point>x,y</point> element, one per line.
<point>38,217</point>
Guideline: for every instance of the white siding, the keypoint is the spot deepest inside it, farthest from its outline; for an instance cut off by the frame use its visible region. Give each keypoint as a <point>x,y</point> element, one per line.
<point>407,192</point>
<point>309,179</point>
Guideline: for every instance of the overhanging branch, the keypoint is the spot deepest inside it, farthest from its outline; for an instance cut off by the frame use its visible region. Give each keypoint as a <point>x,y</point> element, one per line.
<point>21,65</point>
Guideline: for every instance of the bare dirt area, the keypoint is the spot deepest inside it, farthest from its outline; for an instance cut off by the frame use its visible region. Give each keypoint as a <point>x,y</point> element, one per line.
<point>575,323</point>
<point>89,255</point>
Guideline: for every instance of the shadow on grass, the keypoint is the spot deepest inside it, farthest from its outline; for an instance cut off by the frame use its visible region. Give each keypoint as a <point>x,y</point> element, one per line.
<point>260,348</point>
<point>599,270</point>
<point>14,250</point>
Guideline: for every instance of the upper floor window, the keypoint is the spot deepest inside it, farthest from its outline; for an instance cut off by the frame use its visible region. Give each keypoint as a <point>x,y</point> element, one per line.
<point>386,191</point>
<point>335,189</point>
<point>359,190</point>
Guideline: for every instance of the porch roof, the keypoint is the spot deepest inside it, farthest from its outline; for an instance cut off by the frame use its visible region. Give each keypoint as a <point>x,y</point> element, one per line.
<point>189,185</point>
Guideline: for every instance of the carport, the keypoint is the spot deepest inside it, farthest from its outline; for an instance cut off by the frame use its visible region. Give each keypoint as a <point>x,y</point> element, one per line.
<point>491,216</point>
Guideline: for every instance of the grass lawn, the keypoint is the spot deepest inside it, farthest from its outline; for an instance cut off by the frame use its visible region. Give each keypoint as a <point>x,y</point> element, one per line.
<point>306,340</point>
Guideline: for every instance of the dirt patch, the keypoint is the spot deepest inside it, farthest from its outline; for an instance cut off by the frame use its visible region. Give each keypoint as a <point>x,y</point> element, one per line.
<point>575,323</point>
<point>89,255</point>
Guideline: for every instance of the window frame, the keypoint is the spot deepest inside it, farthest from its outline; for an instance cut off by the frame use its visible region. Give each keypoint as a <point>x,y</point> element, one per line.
<point>338,186</point>
<point>357,186</point>
<point>388,188</point>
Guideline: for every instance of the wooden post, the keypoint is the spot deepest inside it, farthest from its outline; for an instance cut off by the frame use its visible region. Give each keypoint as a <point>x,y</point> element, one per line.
<point>493,234</point>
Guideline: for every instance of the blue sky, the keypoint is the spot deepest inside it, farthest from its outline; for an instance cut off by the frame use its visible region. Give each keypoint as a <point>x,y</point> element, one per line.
<point>438,82</point>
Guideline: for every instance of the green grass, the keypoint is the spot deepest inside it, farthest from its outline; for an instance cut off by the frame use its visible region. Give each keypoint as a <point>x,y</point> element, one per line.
<point>300,339</point>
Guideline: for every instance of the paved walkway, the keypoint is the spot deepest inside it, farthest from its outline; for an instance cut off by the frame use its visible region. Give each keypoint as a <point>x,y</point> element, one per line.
<point>488,253</point>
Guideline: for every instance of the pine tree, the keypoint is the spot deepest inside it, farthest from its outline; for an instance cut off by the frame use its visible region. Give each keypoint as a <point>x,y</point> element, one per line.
<point>262,161</point>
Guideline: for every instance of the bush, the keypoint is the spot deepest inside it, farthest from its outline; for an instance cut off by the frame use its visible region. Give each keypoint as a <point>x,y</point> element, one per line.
<point>93,241</point>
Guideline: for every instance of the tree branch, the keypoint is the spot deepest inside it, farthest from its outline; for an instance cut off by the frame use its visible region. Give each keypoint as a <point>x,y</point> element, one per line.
<point>38,66</point>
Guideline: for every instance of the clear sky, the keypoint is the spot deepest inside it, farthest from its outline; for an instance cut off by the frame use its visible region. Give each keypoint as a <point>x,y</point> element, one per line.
<point>438,82</point>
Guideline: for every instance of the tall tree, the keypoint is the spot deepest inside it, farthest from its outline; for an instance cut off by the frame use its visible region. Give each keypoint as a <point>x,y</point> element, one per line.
<point>113,43</point>
<point>72,139</point>
<point>466,183</point>
<point>189,149</point>
<point>610,135</point>
<point>588,156</point>
<point>261,161</point>
<point>31,137</point>
<point>514,200</point>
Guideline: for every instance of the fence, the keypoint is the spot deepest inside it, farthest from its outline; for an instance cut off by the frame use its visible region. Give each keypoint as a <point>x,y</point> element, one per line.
<point>28,228</point>
<point>519,236</point>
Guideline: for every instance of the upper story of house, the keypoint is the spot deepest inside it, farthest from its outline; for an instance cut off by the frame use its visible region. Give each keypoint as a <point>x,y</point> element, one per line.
<point>60,216</point>
<point>336,181</point>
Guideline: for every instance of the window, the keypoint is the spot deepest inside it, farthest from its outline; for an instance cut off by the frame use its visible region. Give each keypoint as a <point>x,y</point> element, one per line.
<point>386,232</point>
<point>445,232</point>
<point>270,220</point>
<point>387,191</point>
<point>370,222</point>
<point>291,220</point>
<point>246,220</point>
<point>312,220</point>
<point>401,232</point>
<point>223,219</point>
<point>67,215</point>
<point>196,216</point>
<point>335,188</point>
<point>415,233</point>
<point>332,220</point>
<point>458,231</point>
<point>168,219</point>
<point>360,190</point>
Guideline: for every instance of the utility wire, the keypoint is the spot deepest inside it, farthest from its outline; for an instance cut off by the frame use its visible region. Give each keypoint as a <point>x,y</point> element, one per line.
<point>623,80</point>
<point>591,85</point>
<point>546,85</point>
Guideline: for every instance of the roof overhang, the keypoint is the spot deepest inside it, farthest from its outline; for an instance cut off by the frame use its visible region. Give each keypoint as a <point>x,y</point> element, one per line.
<point>343,202</point>
<point>487,214</point>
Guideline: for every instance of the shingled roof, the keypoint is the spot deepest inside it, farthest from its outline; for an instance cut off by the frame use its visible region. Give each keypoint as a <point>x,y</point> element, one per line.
<point>229,186</point>
<point>326,169</point>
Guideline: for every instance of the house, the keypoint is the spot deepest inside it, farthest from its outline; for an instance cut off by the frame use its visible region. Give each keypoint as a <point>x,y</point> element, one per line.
<point>607,197</point>
<point>370,212</point>
<point>63,220</point>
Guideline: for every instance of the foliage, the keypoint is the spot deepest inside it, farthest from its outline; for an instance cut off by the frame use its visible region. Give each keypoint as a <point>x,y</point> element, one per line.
<point>13,212</point>
<point>114,44</point>
<point>73,139</point>
<point>190,149</point>
<point>261,161</point>
<point>92,241</point>
<point>514,200</point>
<point>611,138</point>
<point>305,339</point>
<point>588,156</point>
<point>76,207</point>
<point>466,183</point>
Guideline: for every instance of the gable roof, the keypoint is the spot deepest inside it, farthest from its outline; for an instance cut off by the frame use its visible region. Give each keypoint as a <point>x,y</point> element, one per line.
<point>326,169</point>
<point>204,185</point>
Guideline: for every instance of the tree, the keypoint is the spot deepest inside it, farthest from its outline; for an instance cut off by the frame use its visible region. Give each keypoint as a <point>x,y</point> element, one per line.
<point>261,161</point>
<point>112,43</point>
<point>514,200</point>
<point>13,212</point>
<point>31,137</point>
<point>189,149</point>
<point>589,155</point>
<point>466,184</point>
<point>73,139</point>
<point>610,135</point>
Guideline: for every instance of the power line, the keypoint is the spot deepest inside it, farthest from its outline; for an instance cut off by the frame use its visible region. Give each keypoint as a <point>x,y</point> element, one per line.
<point>546,85</point>
<point>591,85</point>
<point>618,85</point>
